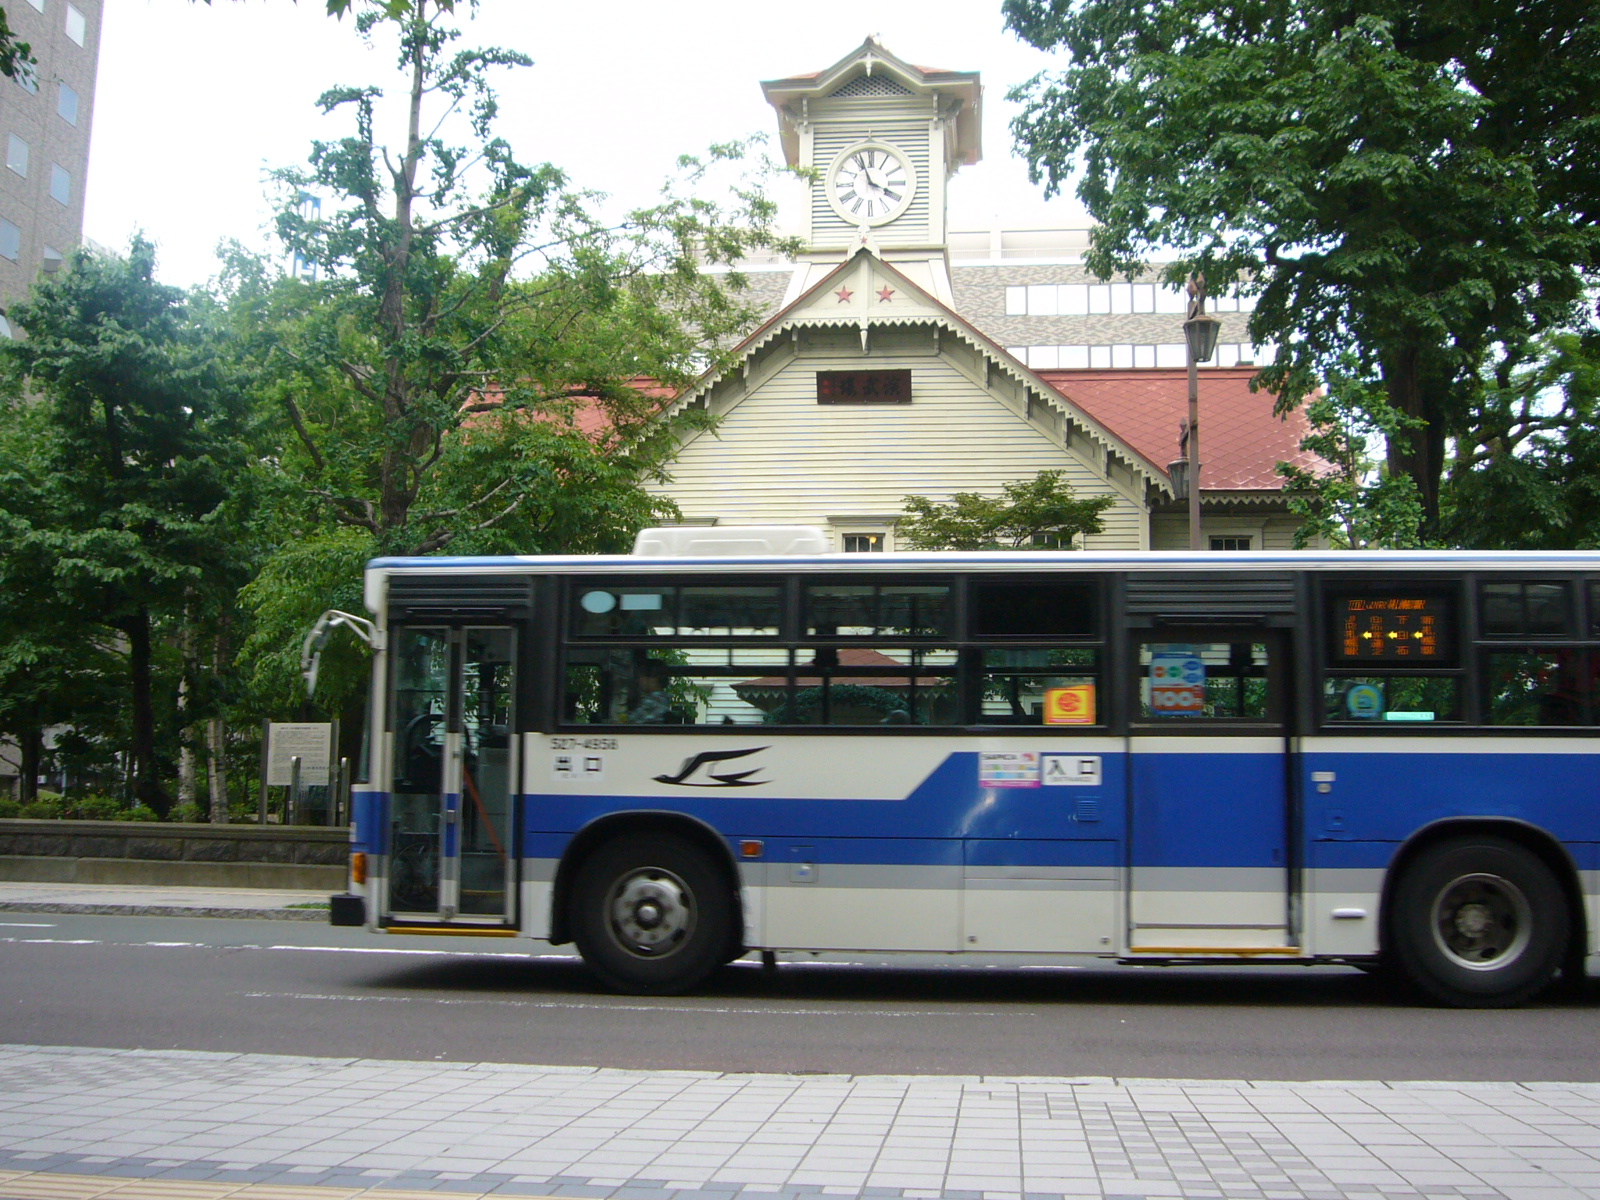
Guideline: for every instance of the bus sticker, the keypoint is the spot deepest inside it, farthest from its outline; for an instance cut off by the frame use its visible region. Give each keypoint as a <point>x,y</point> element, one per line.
<point>1071,770</point>
<point>1177,682</point>
<point>1069,705</point>
<point>1008,768</point>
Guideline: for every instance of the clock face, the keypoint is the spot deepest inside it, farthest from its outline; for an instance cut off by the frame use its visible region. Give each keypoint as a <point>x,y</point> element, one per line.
<point>871,183</point>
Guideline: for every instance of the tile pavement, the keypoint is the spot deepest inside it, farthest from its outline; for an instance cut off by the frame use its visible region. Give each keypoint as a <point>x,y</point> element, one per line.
<point>250,1125</point>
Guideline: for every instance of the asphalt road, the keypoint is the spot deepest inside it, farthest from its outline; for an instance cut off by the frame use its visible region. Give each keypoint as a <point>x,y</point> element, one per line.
<point>289,988</point>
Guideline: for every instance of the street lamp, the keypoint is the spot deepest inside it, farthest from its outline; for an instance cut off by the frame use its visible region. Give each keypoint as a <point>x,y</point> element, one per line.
<point>1200,331</point>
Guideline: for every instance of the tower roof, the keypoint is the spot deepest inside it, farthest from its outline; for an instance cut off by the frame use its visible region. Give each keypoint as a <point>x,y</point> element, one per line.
<point>958,94</point>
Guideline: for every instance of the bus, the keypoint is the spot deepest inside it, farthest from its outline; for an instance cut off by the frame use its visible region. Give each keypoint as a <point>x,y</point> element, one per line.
<point>733,744</point>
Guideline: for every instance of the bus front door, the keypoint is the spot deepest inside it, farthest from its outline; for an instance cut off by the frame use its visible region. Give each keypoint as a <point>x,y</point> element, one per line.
<point>1208,778</point>
<point>453,773</point>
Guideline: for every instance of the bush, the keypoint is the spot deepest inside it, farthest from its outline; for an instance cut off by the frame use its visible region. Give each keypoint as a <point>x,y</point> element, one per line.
<point>190,812</point>
<point>42,809</point>
<point>9,809</point>
<point>138,812</point>
<point>94,808</point>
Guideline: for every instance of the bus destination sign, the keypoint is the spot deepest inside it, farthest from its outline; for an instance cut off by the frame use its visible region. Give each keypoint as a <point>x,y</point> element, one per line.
<point>1393,627</point>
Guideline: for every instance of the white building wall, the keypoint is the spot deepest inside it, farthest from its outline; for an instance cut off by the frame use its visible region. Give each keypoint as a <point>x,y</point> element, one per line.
<point>780,457</point>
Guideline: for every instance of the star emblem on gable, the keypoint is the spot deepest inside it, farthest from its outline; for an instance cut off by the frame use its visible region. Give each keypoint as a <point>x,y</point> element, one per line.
<point>844,295</point>
<point>884,293</point>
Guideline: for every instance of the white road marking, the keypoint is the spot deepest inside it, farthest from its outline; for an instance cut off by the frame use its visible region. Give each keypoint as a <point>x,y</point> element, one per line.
<point>713,1010</point>
<point>28,924</point>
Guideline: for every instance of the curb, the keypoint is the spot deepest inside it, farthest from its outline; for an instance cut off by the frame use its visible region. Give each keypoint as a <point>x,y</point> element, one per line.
<point>166,910</point>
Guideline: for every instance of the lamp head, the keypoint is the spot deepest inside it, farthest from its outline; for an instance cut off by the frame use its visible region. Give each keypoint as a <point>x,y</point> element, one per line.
<point>1200,332</point>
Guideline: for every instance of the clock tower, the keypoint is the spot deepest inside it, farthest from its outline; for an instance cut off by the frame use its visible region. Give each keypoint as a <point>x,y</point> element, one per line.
<point>881,138</point>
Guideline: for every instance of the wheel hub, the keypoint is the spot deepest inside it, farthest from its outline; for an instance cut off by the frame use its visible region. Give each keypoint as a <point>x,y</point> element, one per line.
<point>1482,922</point>
<point>651,912</point>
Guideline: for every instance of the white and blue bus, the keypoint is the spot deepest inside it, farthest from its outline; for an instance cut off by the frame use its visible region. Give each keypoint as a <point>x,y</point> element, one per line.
<point>676,759</point>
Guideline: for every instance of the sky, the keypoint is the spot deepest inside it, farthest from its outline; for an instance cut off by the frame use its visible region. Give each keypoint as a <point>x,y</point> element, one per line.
<point>195,104</point>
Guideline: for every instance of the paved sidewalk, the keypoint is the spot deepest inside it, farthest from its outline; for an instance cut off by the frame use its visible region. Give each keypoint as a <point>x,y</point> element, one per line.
<point>128,900</point>
<point>83,1122</point>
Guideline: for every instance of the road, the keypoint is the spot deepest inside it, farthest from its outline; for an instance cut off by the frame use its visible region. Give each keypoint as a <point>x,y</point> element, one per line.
<point>290,988</point>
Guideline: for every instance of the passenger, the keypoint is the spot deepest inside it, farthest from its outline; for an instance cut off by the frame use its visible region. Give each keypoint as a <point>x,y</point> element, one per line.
<point>654,703</point>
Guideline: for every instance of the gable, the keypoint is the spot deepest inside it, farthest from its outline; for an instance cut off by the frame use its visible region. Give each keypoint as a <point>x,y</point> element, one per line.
<point>781,455</point>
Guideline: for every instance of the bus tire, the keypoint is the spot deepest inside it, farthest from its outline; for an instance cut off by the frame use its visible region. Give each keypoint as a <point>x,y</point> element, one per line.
<point>651,914</point>
<point>1478,922</point>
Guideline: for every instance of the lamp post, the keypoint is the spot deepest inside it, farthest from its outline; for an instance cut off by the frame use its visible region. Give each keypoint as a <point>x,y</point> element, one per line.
<point>1200,332</point>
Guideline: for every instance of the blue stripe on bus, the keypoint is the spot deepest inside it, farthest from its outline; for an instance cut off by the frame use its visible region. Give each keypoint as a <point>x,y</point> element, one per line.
<point>1204,810</point>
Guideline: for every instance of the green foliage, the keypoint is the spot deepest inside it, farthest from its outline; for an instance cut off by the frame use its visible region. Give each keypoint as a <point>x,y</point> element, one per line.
<point>1036,514</point>
<point>300,582</point>
<point>1356,503</point>
<point>9,809</point>
<point>1403,182</point>
<point>453,280</point>
<point>126,508</point>
<point>1529,477</point>
<point>42,809</point>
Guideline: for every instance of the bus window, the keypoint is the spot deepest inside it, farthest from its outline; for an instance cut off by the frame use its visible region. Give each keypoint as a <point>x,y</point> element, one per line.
<point>852,610</point>
<point>1054,686</point>
<point>1003,609</point>
<point>860,685</point>
<point>684,686</point>
<point>1524,610</point>
<point>1396,698</point>
<point>606,610</point>
<point>1538,687</point>
<point>1218,681</point>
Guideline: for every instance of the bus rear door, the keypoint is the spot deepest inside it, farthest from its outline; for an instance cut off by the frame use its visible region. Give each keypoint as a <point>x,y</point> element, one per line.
<point>1208,769</point>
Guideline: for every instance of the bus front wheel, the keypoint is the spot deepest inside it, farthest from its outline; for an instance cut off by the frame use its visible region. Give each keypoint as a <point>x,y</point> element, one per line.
<point>650,914</point>
<point>1479,922</point>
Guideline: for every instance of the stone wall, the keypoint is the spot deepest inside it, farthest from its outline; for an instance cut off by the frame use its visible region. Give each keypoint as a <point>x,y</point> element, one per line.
<point>141,852</point>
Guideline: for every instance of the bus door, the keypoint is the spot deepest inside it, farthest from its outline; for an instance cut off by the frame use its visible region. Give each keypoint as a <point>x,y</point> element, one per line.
<point>1208,779</point>
<point>453,772</point>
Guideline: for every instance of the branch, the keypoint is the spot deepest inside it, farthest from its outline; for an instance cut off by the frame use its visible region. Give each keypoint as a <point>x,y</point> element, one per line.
<point>354,510</point>
<point>305,437</point>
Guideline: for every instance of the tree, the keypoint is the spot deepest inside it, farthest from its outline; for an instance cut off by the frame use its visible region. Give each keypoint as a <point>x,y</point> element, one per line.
<point>129,509</point>
<point>1035,514</point>
<point>473,360</point>
<point>1355,503</point>
<point>451,273</point>
<point>1405,184</point>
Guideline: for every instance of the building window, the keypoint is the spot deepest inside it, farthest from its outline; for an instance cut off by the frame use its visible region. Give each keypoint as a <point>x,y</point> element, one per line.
<point>5,326</point>
<point>862,543</point>
<point>863,387</point>
<point>67,105</point>
<point>38,5</point>
<point>1230,543</point>
<point>27,77</point>
<point>1016,302</point>
<point>10,240</point>
<point>17,155</point>
<point>60,184</point>
<point>77,26</point>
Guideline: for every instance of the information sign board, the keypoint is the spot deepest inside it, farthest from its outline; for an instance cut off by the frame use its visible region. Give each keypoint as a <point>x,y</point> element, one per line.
<point>312,741</point>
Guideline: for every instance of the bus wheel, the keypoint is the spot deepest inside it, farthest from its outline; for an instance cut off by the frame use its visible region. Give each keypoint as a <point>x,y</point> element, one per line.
<point>651,914</point>
<point>1479,922</point>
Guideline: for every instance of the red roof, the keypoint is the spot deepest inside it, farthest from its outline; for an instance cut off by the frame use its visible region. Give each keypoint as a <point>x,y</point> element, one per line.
<point>1241,441</point>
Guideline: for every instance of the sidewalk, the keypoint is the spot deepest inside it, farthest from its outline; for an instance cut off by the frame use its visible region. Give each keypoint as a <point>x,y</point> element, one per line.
<point>121,900</point>
<point>156,1124</point>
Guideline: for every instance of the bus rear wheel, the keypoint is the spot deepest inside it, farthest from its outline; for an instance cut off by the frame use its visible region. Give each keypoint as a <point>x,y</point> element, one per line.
<point>1479,922</point>
<point>650,914</point>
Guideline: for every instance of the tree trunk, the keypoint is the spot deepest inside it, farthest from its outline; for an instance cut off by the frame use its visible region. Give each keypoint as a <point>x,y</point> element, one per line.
<point>31,742</point>
<point>217,769</point>
<point>188,791</point>
<point>1417,453</point>
<point>147,787</point>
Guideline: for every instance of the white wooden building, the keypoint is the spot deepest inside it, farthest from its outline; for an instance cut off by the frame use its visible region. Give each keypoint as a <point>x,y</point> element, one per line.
<point>868,385</point>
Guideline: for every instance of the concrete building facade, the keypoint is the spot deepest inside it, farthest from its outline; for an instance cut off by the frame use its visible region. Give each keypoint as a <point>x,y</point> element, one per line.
<point>45,118</point>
